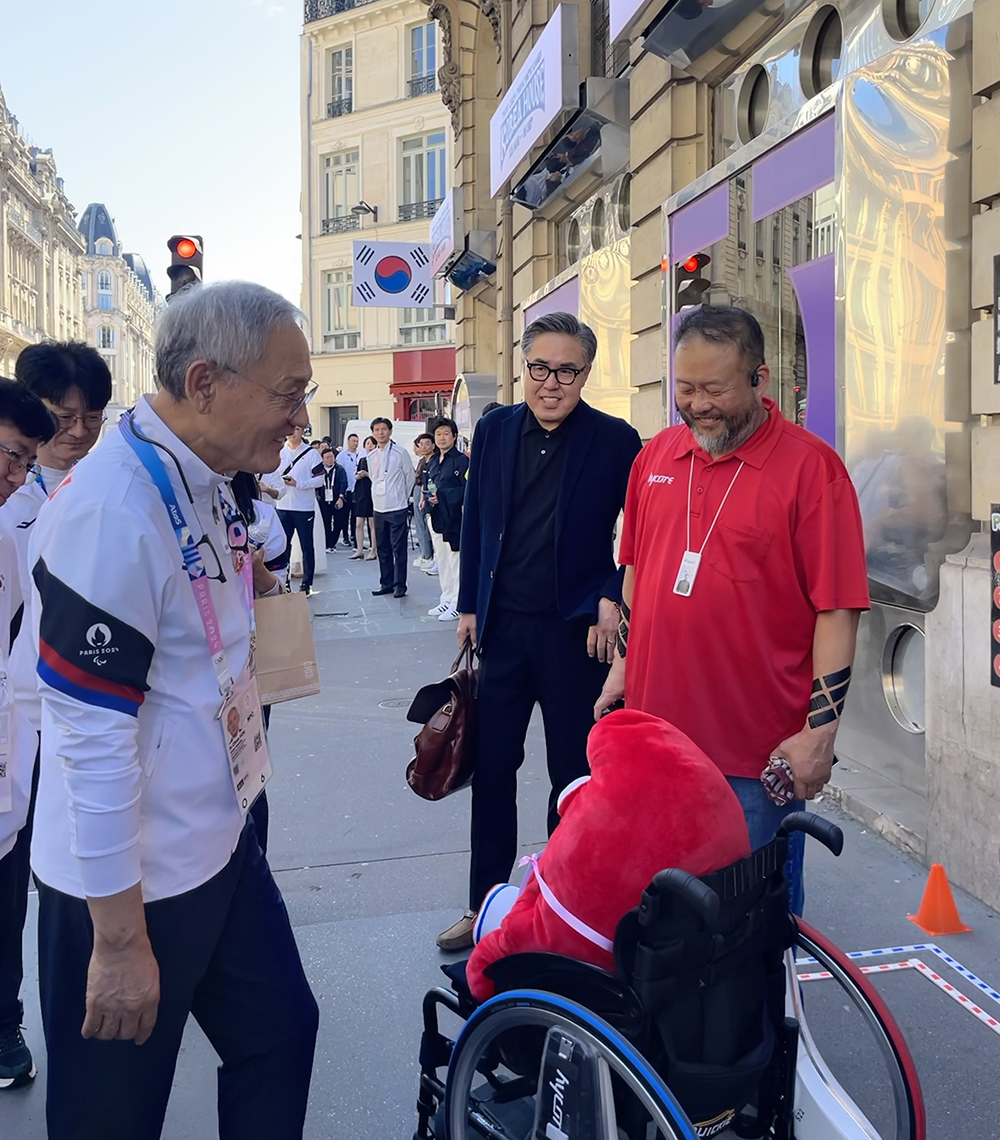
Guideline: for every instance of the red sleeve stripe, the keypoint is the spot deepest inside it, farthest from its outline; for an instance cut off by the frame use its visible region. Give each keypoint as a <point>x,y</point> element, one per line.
<point>83,680</point>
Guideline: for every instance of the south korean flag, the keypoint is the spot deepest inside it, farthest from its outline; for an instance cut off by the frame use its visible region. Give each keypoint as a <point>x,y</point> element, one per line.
<point>392,275</point>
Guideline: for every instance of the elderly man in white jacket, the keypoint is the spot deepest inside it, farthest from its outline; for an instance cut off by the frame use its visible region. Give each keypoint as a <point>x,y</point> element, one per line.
<point>154,898</point>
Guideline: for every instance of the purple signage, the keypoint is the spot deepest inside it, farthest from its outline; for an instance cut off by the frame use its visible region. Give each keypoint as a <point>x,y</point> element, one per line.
<point>814,284</point>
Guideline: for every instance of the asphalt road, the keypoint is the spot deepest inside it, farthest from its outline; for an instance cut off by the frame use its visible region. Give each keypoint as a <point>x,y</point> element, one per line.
<point>371,873</point>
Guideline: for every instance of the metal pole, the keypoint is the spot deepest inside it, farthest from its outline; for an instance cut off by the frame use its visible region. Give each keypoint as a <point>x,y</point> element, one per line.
<point>506,353</point>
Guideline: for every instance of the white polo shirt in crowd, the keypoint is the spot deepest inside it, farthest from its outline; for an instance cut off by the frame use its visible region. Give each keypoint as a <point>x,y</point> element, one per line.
<point>349,460</point>
<point>299,466</point>
<point>393,477</point>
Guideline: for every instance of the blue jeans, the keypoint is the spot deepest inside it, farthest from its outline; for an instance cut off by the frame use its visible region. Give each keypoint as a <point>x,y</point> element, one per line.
<point>763,816</point>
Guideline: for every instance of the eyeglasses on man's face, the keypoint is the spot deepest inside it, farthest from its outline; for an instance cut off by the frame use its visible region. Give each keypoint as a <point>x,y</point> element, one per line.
<point>18,462</point>
<point>564,374</point>
<point>92,421</point>
<point>291,401</point>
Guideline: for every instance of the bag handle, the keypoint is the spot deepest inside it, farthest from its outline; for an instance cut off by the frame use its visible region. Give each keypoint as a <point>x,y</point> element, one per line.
<point>465,652</point>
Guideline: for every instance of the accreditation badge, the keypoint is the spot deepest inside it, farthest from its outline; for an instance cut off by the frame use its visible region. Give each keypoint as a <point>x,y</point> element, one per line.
<point>687,573</point>
<point>246,741</point>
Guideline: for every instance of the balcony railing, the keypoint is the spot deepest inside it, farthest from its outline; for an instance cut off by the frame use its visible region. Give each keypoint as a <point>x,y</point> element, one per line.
<point>410,211</point>
<point>423,85</point>
<point>337,107</point>
<point>321,9</point>
<point>339,225</point>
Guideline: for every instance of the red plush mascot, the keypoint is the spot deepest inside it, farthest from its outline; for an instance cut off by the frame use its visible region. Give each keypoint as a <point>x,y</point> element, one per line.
<point>653,800</point>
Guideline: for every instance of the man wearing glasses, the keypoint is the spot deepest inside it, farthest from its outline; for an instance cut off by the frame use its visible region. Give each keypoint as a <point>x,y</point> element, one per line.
<point>155,900</point>
<point>539,584</point>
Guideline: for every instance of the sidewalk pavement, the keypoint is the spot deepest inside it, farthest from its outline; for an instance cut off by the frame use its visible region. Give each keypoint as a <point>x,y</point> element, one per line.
<point>371,873</point>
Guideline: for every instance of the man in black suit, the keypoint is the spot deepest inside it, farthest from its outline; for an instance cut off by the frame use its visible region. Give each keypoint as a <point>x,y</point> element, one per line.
<point>539,588</point>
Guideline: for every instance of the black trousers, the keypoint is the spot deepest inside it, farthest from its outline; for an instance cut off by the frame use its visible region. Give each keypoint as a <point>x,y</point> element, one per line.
<point>301,523</point>
<point>226,954</point>
<point>15,874</point>
<point>328,514</point>
<point>350,518</point>
<point>391,535</point>
<point>527,659</point>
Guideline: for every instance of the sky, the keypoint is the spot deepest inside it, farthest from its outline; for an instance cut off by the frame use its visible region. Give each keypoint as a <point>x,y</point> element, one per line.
<point>181,116</point>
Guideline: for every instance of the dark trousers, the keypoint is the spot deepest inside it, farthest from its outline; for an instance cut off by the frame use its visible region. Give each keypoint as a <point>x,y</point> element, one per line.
<point>527,659</point>
<point>15,873</point>
<point>329,523</point>
<point>301,523</point>
<point>350,518</point>
<point>391,536</point>
<point>226,954</point>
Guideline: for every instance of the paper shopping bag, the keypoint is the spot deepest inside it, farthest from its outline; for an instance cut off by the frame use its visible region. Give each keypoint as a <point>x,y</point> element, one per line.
<point>286,653</point>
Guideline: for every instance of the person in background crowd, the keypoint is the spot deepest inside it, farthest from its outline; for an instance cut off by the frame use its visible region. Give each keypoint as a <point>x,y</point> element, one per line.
<point>25,424</point>
<point>349,457</point>
<point>267,543</point>
<point>73,382</point>
<point>330,495</point>
<point>392,487</point>
<point>423,448</point>
<point>154,899</point>
<point>490,407</point>
<point>443,493</point>
<point>539,587</point>
<point>295,481</point>
<point>363,511</point>
<point>745,577</point>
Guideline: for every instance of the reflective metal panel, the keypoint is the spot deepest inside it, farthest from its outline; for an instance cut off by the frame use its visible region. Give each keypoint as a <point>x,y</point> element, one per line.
<point>605,290</point>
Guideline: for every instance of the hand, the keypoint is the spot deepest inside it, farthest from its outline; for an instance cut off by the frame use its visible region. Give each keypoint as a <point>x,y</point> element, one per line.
<point>810,756</point>
<point>123,992</point>
<point>272,491</point>
<point>263,580</point>
<point>601,637</point>
<point>423,503</point>
<point>290,481</point>
<point>340,503</point>
<point>614,688</point>
<point>433,500</point>
<point>467,629</point>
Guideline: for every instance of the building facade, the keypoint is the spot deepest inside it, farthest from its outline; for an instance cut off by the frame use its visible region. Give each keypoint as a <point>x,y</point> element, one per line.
<point>377,159</point>
<point>834,168</point>
<point>120,306</point>
<point>40,248</point>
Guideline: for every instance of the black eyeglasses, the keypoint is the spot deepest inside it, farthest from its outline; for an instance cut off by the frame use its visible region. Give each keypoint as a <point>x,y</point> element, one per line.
<point>17,461</point>
<point>563,374</point>
<point>92,421</point>
<point>292,401</point>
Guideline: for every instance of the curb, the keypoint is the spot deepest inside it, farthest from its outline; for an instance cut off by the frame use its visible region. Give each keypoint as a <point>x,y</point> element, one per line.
<point>902,838</point>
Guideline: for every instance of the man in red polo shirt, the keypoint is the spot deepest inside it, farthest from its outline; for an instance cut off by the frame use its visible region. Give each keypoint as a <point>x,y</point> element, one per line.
<point>745,575</point>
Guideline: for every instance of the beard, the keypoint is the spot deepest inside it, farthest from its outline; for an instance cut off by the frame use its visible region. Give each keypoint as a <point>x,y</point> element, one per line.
<point>737,429</point>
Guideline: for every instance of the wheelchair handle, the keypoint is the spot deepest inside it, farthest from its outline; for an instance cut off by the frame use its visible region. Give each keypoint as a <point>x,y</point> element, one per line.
<point>695,893</point>
<point>828,833</point>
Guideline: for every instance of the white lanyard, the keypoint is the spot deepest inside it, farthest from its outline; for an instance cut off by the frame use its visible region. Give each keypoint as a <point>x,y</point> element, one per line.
<point>692,558</point>
<point>382,471</point>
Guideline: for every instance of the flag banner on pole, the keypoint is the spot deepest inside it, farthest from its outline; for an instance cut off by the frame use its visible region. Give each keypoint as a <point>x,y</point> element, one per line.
<point>392,275</point>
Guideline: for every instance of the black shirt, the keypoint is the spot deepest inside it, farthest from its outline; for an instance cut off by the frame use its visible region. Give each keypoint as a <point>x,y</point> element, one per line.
<point>526,574</point>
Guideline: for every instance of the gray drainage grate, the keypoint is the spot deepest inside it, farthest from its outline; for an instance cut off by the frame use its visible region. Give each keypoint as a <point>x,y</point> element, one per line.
<point>395,703</point>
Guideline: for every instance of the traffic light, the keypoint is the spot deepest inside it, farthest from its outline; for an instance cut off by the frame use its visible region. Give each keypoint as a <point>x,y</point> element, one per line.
<point>185,262</point>
<point>691,285</point>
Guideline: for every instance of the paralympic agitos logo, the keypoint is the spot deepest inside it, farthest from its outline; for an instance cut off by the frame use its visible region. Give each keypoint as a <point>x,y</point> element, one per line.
<point>99,640</point>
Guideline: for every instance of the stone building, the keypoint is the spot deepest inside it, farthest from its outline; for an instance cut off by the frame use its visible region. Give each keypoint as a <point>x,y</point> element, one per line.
<point>40,248</point>
<point>120,306</point>
<point>377,159</point>
<point>834,168</point>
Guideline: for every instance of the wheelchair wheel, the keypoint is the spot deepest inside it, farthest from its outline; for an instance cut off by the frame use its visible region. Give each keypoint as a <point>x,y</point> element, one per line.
<point>506,1079</point>
<point>822,1106</point>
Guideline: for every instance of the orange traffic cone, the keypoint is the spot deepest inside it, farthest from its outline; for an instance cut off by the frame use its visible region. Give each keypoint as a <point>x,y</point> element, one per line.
<point>938,913</point>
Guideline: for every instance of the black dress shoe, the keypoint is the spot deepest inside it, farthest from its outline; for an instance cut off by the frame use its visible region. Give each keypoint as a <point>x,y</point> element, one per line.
<point>399,592</point>
<point>382,590</point>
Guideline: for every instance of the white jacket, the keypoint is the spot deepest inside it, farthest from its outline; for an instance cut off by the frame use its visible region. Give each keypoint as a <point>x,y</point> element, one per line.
<point>300,497</point>
<point>135,784</point>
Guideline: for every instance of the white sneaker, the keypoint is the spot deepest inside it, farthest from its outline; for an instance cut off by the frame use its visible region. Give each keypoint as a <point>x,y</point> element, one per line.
<point>449,615</point>
<point>442,608</point>
<point>422,563</point>
<point>432,569</point>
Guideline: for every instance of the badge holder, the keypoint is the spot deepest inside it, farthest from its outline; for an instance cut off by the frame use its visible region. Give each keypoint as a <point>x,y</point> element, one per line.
<point>687,573</point>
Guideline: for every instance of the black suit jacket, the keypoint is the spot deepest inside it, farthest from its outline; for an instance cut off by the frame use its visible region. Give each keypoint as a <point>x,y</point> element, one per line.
<point>602,449</point>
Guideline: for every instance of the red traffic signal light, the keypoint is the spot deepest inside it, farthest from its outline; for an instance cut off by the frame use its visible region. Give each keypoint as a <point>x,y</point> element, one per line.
<point>185,267</point>
<point>690,285</point>
<point>186,248</point>
<point>691,265</point>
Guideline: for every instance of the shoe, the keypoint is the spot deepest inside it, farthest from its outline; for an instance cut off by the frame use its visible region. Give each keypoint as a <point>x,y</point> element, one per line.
<point>331,550</point>
<point>432,569</point>
<point>422,563</point>
<point>371,556</point>
<point>356,557</point>
<point>307,590</point>
<point>16,1065</point>
<point>399,592</point>
<point>442,608</point>
<point>449,615</point>
<point>349,545</point>
<point>459,936</point>
<point>382,590</point>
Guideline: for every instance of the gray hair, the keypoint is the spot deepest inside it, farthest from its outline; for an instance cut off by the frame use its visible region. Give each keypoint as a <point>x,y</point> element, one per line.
<point>227,324</point>
<point>566,324</point>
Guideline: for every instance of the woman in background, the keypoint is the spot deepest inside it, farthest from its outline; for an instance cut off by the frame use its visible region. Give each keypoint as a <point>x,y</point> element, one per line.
<point>363,508</point>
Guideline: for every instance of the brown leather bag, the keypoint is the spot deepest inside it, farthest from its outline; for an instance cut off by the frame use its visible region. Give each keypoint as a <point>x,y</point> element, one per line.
<point>446,745</point>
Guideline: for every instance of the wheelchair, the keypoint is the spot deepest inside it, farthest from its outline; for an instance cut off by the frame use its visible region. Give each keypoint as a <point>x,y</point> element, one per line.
<point>699,1032</point>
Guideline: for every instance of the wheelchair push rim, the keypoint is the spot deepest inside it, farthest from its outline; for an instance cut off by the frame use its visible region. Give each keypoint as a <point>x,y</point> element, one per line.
<point>520,1008</point>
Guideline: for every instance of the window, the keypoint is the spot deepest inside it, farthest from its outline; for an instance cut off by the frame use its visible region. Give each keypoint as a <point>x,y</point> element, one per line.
<point>104,247</point>
<point>104,298</point>
<point>105,337</point>
<point>341,191</point>
<point>340,318</point>
<point>426,326</point>
<point>423,58</point>
<point>341,82</point>
<point>423,176</point>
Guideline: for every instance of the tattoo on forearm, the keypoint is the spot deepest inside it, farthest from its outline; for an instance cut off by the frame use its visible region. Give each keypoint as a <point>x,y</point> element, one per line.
<point>828,695</point>
<point>621,641</point>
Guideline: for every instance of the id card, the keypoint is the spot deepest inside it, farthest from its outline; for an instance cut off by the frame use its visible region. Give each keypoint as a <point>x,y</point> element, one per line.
<point>328,494</point>
<point>246,741</point>
<point>380,488</point>
<point>687,573</point>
